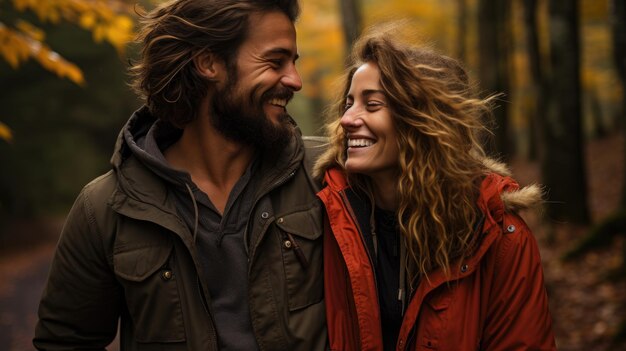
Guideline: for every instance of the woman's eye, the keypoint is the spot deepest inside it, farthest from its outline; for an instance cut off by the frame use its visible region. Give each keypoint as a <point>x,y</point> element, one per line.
<point>346,106</point>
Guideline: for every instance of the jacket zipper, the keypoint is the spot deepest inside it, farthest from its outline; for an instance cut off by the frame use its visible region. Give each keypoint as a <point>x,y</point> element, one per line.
<point>347,205</point>
<point>254,204</point>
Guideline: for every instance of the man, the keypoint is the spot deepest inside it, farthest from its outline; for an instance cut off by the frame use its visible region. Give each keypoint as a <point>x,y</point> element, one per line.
<point>206,233</point>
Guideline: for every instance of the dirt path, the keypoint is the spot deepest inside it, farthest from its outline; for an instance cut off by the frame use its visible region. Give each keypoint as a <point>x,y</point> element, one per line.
<point>586,309</point>
<point>23,277</point>
<point>25,258</point>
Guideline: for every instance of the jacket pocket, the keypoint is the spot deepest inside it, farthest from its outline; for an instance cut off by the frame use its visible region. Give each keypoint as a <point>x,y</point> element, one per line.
<point>301,248</point>
<point>434,319</point>
<point>146,270</point>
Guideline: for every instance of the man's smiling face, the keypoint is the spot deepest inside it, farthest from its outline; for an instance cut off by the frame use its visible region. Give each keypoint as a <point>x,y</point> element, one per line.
<point>251,108</point>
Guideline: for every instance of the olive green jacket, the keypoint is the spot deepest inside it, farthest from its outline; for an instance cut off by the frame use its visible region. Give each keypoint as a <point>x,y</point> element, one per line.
<point>124,254</point>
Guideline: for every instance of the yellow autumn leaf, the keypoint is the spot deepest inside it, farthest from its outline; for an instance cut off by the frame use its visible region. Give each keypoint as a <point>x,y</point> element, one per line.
<point>46,11</point>
<point>6,45</point>
<point>11,57</point>
<point>124,23</point>
<point>14,47</point>
<point>74,74</point>
<point>87,20</point>
<point>104,11</point>
<point>30,30</point>
<point>99,32</point>
<point>5,132</point>
<point>80,6</point>
<point>47,58</point>
<point>119,33</point>
<point>20,5</point>
<point>53,62</point>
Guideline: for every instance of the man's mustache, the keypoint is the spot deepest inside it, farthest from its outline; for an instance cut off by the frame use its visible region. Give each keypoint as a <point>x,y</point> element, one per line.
<point>278,93</point>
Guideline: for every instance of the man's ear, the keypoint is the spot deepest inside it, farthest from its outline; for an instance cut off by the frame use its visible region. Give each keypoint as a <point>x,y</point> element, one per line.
<point>208,65</point>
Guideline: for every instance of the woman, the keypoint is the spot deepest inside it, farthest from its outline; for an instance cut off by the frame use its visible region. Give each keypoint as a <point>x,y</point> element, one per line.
<point>423,246</point>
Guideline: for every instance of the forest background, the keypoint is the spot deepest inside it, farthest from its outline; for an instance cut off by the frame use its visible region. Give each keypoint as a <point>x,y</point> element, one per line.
<point>560,63</point>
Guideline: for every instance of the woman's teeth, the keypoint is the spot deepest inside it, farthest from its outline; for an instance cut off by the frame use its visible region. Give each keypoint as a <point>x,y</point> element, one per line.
<point>359,142</point>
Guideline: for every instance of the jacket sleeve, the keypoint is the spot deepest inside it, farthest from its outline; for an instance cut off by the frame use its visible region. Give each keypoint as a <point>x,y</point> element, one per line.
<point>518,317</point>
<point>81,302</point>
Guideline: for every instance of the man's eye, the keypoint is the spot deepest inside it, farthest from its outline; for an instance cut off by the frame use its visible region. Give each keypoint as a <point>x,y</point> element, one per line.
<point>276,62</point>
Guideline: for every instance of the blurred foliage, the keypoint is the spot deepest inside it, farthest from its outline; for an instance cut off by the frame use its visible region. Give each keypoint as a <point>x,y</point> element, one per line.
<point>63,130</point>
<point>321,43</point>
<point>63,133</point>
<point>21,40</point>
<point>434,23</point>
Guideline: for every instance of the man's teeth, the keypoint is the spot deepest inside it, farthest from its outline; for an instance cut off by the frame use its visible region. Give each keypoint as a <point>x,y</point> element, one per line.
<point>359,142</point>
<point>279,102</point>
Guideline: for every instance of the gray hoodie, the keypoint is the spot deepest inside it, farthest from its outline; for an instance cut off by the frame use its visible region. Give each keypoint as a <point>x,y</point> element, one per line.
<point>220,238</point>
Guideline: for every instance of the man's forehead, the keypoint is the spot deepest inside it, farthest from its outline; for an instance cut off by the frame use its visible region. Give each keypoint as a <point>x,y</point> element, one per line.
<point>272,33</point>
<point>273,23</point>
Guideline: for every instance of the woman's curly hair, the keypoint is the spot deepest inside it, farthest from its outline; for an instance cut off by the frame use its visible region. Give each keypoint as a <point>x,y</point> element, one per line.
<point>439,126</point>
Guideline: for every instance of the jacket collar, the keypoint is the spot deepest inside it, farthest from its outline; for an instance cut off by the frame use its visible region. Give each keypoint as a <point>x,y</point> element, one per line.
<point>141,194</point>
<point>498,194</point>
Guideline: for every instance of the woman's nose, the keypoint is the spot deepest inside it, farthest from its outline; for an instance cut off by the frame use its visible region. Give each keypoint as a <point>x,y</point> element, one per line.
<point>350,119</point>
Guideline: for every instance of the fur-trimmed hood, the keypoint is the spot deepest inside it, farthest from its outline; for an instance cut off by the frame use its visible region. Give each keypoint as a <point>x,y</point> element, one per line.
<point>515,198</point>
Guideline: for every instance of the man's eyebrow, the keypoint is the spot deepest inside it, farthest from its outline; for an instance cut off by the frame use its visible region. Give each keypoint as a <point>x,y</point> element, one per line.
<point>282,51</point>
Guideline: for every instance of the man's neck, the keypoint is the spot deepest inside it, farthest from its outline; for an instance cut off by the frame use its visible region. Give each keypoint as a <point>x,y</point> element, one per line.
<point>214,162</point>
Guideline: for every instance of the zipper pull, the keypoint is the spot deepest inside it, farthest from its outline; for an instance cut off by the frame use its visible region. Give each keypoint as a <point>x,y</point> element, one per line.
<point>401,299</point>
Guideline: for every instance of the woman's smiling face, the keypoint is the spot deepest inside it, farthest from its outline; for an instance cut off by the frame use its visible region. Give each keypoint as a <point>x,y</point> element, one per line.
<point>368,126</point>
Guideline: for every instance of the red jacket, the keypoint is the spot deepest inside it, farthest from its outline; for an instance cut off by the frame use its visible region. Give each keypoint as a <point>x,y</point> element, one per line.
<point>495,300</point>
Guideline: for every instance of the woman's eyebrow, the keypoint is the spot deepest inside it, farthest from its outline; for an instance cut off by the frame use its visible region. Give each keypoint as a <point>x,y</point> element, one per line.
<point>367,92</point>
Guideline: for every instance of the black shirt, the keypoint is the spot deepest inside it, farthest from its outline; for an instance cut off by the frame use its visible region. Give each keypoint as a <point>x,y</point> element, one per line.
<point>387,272</point>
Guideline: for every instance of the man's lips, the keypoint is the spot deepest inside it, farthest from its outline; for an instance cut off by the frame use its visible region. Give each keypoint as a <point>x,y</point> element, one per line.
<point>278,102</point>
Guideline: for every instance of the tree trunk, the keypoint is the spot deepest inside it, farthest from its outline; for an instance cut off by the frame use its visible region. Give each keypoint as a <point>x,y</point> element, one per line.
<point>351,21</point>
<point>537,79</point>
<point>563,163</point>
<point>461,37</point>
<point>494,37</point>
<point>603,234</point>
<point>618,25</point>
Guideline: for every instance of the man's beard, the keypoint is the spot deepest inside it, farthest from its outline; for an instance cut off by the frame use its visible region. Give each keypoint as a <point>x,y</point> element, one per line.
<point>243,120</point>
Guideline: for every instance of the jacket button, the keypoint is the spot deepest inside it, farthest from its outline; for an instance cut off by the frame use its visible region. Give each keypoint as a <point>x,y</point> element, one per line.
<point>464,268</point>
<point>288,244</point>
<point>280,220</point>
<point>400,343</point>
<point>510,228</point>
<point>167,275</point>
<point>265,215</point>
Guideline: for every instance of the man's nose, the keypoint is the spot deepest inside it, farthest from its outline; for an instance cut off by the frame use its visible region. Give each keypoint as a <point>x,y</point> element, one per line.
<point>292,79</point>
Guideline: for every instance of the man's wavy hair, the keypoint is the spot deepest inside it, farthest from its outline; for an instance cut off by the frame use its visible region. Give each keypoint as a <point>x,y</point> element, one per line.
<point>440,126</point>
<point>175,33</point>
